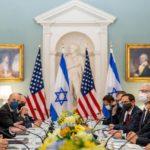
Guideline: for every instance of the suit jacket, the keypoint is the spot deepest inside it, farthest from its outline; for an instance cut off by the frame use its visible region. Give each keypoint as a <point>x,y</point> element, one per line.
<point>144,126</point>
<point>144,139</point>
<point>112,120</point>
<point>27,121</point>
<point>7,118</point>
<point>6,133</point>
<point>133,124</point>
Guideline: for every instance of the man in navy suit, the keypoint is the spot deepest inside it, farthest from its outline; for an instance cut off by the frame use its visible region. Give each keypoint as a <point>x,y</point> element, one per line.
<point>130,117</point>
<point>143,135</point>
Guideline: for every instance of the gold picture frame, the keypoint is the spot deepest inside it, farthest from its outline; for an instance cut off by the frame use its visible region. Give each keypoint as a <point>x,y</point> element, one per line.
<point>11,62</point>
<point>138,62</point>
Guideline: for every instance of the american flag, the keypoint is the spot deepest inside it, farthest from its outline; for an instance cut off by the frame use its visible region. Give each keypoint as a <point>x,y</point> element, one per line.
<point>88,105</point>
<point>37,99</point>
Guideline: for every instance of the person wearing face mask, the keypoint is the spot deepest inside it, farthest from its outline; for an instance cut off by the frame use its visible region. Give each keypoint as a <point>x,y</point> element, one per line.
<point>8,111</point>
<point>130,117</point>
<point>144,126</point>
<point>28,121</point>
<point>144,92</point>
<point>22,101</point>
<point>144,96</point>
<point>142,137</point>
<point>24,116</point>
<point>110,105</point>
<point>119,103</point>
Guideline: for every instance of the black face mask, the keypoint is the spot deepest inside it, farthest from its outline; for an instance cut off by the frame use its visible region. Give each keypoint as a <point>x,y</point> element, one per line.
<point>21,105</point>
<point>26,115</point>
<point>127,106</point>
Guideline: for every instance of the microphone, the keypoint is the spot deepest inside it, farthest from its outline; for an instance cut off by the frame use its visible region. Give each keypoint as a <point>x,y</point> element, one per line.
<point>99,120</point>
<point>30,133</point>
<point>10,136</point>
<point>103,129</point>
<point>41,128</point>
<point>29,118</point>
<point>35,135</point>
<point>110,138</point>
<point>46,123</point>
<point>126,142</point>
<point>50,126</point>
<point>87,120</point>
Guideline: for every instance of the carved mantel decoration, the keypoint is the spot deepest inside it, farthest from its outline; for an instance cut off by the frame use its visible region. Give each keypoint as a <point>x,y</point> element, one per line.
<point>79,25</point>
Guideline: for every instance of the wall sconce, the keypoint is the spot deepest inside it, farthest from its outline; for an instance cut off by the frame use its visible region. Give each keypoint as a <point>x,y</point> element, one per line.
<point>5,91</point>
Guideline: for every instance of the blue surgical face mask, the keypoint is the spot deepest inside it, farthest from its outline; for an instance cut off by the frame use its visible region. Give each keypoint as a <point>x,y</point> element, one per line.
<point>108,107</point>
<point>14,105</point>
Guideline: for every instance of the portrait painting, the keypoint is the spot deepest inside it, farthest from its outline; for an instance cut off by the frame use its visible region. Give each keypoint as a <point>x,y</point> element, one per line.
<point>138,62</point>
<point>11,62</point>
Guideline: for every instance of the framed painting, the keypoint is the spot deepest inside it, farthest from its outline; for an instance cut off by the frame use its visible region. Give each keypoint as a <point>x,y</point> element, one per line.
<point>11,62</point>
<point>138,62</point>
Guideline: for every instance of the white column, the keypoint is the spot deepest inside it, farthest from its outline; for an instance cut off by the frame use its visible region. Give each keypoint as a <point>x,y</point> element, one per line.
<point>46,60</point>
<point>101,62</point>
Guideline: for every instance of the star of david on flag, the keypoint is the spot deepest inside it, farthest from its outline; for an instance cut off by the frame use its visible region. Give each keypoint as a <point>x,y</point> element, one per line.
<point>112,82</point>
<point>62,98</point>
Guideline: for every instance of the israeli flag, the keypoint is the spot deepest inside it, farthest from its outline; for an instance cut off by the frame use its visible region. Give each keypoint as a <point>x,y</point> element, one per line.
<point>62,97</point>
<point>112,82</point>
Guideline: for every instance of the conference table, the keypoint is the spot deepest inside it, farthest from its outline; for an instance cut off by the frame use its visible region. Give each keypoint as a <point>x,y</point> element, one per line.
<point>33,140</point>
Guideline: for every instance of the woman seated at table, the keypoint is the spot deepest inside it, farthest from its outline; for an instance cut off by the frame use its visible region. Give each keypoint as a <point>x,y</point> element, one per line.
<point>28,121</point>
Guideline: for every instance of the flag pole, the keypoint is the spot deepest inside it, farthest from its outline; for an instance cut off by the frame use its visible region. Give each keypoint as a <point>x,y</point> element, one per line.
<point>110,47</point>
<point>39,46</point>
<point>62,48</point>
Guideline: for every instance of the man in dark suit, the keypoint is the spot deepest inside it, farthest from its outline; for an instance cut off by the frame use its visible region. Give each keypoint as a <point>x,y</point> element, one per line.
<point>130,117</point>
<point>8,112</point>
<point>119,104</point>
<point>10,132</point>
<point>110,105</point>
<point>144,124</point>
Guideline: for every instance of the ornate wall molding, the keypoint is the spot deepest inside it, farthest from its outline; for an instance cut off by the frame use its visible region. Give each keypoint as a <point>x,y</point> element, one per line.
<point>75,16</point>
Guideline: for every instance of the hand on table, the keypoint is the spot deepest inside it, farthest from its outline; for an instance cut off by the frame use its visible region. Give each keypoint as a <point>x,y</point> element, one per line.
<point>147,147</point>
<point>111,126</point>
<point>3,144</point>
<point>132,137</point>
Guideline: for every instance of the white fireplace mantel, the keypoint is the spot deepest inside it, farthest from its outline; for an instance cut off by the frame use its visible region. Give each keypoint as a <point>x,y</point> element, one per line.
<point>75,16</point>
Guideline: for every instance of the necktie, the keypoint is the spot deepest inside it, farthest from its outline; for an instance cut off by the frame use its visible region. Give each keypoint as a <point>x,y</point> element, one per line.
<point>145,114</point>
<point>127,119</point>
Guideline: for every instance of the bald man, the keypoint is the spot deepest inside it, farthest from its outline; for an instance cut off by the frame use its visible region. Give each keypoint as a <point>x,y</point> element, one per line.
<point>8,111</point>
